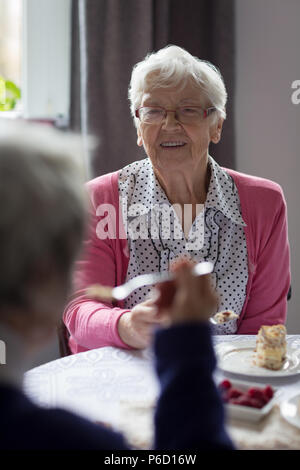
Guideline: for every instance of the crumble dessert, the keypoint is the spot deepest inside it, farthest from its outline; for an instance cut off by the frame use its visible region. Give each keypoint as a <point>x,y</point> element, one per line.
<point>271,347</point>
<point>224,316</point>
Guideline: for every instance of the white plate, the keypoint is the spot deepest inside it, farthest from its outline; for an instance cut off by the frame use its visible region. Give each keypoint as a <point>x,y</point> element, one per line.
<point>290,410</point>
<point>247,413</point>
<point>237,358</point>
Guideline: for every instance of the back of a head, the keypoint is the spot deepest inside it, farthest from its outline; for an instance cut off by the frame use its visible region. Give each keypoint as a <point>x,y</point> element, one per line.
<point>42,202</point>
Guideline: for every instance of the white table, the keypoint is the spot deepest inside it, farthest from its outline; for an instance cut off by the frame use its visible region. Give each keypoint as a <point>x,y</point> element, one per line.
<point>119,387</point>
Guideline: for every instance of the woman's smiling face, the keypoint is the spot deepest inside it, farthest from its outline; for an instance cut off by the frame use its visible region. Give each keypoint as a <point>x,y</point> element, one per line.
<point>171,144</point>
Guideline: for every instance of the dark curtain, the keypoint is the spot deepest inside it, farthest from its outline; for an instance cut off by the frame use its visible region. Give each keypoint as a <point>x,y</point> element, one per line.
<point>110,36</point>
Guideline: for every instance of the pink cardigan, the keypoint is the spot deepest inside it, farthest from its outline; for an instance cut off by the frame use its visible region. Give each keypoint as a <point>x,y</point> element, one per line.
<point>93,324</point>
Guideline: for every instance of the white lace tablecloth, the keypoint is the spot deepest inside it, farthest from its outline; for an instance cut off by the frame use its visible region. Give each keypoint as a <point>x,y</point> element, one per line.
<point>119,388</point>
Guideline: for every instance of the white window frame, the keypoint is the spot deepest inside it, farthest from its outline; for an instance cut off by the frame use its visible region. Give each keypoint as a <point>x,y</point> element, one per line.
<point>46,57</point>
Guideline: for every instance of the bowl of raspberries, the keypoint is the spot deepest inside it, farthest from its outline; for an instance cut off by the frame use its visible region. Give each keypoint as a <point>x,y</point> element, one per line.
<point>244,400</point>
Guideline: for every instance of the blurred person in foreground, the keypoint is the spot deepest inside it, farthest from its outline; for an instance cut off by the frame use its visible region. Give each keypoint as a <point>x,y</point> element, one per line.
<point>42,225</point>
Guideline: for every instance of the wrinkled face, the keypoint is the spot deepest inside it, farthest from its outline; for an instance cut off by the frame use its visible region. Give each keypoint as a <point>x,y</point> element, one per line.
<point>171,144</point>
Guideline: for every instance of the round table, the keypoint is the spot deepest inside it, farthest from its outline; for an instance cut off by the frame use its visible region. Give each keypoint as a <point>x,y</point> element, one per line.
<point>119,388</point>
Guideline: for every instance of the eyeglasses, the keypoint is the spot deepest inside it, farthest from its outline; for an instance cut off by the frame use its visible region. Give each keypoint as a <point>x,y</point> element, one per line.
<point>183,114</point>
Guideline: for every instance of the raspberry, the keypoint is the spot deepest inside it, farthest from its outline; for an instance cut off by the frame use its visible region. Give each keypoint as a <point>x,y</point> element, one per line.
<point>268,392</point>
<point>256,403</point>
<point>258,394</point>
<point>244,400</point>
<point>255,393</point>
<point>241,400</point>
<point>225,385</point>
<point>234,393</point>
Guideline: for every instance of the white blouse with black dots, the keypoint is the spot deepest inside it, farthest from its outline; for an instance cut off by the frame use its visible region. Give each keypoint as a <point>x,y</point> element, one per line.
<point>216,234</point>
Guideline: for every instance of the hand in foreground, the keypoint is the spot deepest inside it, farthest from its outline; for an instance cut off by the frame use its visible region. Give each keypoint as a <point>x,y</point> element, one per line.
<point>187,298</point>
<point>137,326</point>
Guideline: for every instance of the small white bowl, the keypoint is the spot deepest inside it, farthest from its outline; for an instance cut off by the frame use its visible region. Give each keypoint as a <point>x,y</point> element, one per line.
<point>249,413</point>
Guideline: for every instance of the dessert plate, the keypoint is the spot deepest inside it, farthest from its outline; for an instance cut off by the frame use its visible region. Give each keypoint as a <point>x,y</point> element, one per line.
<point>290,410</point>
<point>237,358</point>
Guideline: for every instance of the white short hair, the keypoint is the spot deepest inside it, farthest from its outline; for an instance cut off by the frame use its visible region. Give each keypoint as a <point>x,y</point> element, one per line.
<point>43,202</point>
<point>174,66</point>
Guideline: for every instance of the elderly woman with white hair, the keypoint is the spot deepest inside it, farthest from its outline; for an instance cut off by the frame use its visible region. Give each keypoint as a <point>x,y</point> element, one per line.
<point>178,202</point>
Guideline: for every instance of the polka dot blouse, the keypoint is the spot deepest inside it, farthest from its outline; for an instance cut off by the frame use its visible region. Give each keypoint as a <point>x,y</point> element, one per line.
<point>156,238</point>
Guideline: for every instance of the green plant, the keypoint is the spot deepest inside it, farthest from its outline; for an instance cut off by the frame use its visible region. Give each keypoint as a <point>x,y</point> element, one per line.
<point>10,93</point>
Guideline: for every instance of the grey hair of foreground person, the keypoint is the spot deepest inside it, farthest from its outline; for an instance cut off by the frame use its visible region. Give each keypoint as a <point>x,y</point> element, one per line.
<point>43,204</point>
<point>173,66</point>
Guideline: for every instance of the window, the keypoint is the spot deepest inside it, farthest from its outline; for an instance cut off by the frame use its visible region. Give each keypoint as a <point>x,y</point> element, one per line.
<point>35,42</point>
<point>11,45</point>
<point>10,40</point>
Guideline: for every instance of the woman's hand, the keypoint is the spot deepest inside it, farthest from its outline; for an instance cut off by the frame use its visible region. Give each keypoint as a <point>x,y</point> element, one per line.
<point>136,327</point>
<point>188,298</point>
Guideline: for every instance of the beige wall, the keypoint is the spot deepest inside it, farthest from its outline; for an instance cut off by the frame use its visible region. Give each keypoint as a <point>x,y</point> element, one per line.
<point>267,122</point>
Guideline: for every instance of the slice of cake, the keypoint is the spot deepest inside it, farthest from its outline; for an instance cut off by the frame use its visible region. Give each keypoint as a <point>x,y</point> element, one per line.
<point>224,316</point>
<point>271,347</point>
